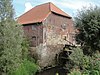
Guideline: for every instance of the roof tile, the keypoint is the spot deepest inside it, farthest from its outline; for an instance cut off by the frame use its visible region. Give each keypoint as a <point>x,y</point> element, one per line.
<point>39,13</point>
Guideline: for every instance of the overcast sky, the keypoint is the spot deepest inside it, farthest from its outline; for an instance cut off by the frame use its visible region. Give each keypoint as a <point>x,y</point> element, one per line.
<point>69,6</point>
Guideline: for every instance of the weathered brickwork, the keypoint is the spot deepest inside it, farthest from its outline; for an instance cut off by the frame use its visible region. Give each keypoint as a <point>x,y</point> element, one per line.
<point>58,30</point>
<point>34,32</point>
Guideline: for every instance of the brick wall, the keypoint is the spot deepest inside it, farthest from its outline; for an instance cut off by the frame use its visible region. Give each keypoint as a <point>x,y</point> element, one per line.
<point>34,32</point>
<point>58,29</point>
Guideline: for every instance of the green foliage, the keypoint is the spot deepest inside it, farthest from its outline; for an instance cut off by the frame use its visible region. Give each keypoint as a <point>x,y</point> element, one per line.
<point>94,65</point>
<point>13,47</point>
<point>77,55</point>
<point>75,72</point>
<point>86,64</point>
<point>25,48</point>
<point>79,59</point>
<point>88,23</point>
<point>11,37</point>
<point>26,68</point>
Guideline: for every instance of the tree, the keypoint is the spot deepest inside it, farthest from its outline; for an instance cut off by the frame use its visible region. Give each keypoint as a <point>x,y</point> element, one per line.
<point>88,24</point>
<point>11,37</point>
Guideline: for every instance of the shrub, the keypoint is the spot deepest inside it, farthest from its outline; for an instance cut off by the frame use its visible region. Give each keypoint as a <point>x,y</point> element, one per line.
<point>27,68</point>
<point>87,22</point>
<point>25,48</point>
<point>79,59</point>
<point>75,72</point>
<point>88,65</point>
<point>94,65</point>
<point>11,37</point>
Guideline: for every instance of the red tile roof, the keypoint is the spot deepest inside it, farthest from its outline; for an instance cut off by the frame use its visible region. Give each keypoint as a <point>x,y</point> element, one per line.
<point>40,13</point>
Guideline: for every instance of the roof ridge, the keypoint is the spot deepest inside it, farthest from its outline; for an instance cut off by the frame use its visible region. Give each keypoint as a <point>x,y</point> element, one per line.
<point>42,4</point>
<point>60,10</point>
<point>40,13</point>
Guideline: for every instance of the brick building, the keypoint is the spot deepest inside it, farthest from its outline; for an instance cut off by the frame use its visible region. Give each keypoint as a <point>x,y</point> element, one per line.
<point>49,26</point>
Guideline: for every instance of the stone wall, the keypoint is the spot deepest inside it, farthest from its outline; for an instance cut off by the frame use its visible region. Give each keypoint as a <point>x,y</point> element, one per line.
<point>46,54</point>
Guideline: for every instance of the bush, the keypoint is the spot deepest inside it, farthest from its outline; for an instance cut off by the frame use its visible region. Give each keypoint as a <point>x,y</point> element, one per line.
<point>87,65</point>
<point>28,65</point>
<point>25,48</point>
<point>87,22</point>
<point>79,59</point>
<point>27,68</point>
<point>94,65</point>
<point>75,72</point>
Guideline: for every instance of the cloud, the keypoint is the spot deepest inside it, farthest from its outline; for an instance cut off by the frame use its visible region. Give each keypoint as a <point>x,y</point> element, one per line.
<point>76,4</point>
<point>28,6</point>
<point>73,4</point>
<point>70,6</point>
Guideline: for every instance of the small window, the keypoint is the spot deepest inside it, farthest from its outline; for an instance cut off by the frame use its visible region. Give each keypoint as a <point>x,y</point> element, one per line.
<point>33,27</point>
<point>63,26</point>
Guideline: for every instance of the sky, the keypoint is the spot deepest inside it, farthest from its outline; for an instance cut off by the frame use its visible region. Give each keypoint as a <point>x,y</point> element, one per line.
<point>68,6</point>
